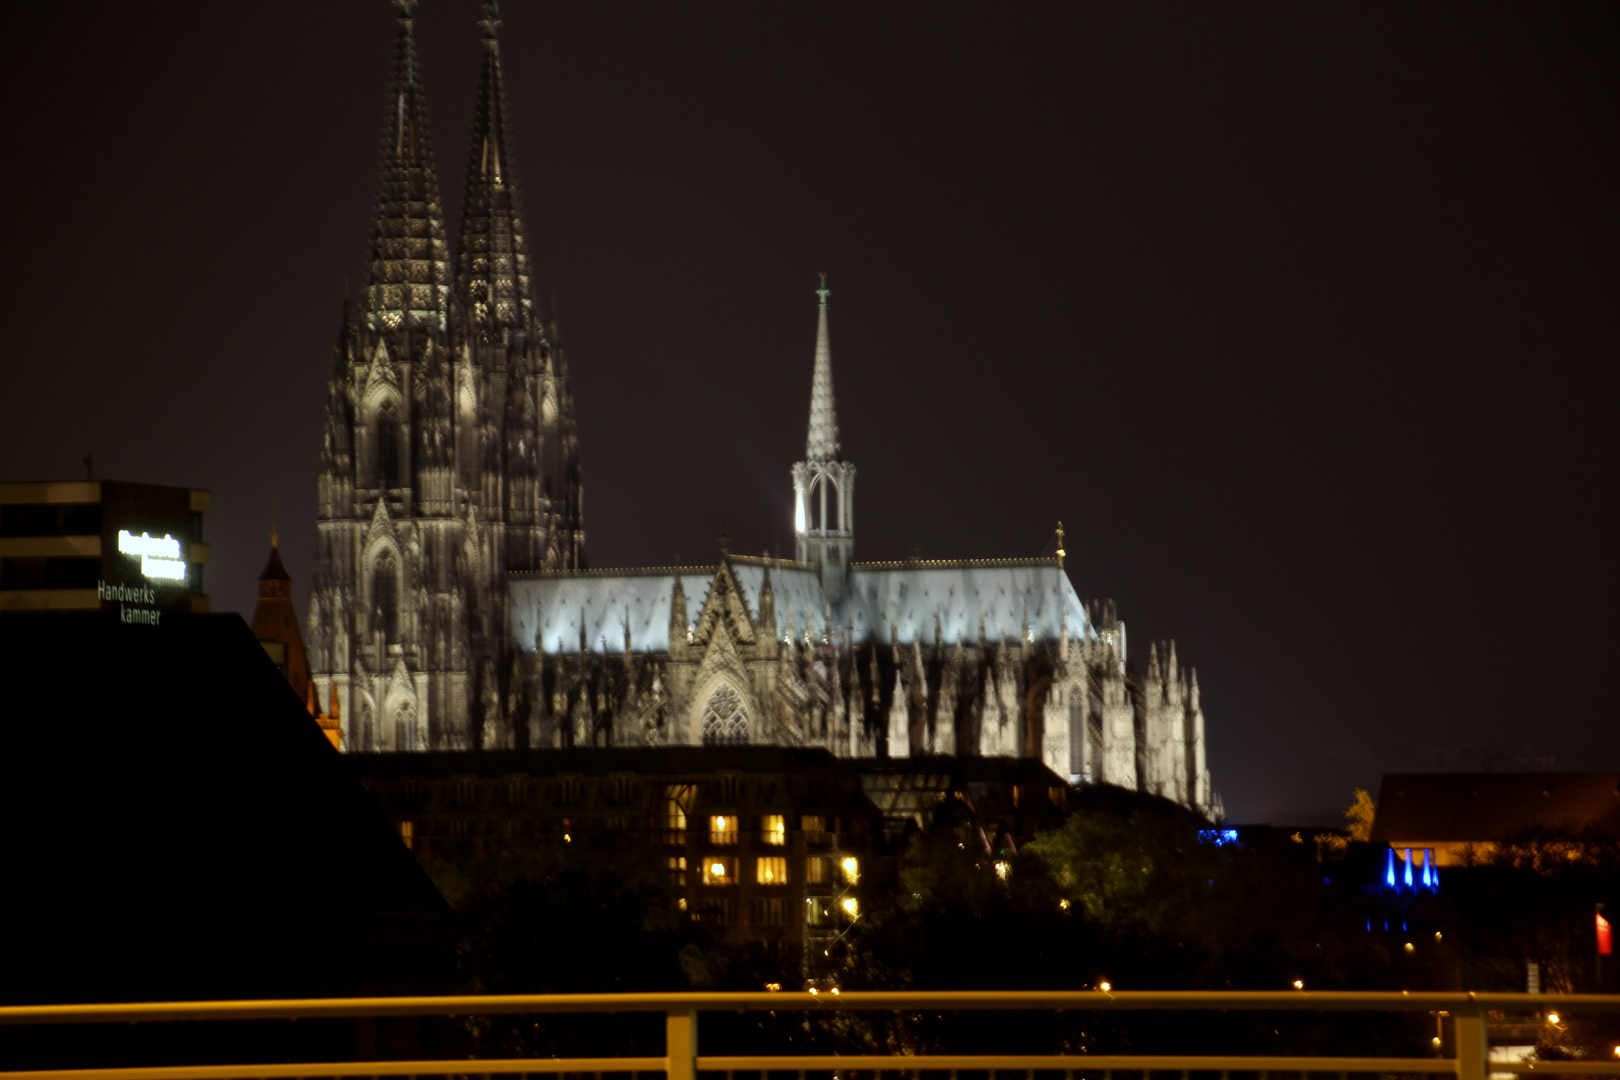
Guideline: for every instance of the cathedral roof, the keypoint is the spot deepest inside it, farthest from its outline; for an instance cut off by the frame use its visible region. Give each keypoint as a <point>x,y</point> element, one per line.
<point>493,281</point>
<point>408,269</point>
<point>898,603</point>
<point>887,603</point>
<point>822,444</point>
<point>556,606</point>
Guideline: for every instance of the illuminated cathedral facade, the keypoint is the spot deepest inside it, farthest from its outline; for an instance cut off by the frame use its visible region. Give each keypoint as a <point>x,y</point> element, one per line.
<point>449,455</point>
<point>451,609</point>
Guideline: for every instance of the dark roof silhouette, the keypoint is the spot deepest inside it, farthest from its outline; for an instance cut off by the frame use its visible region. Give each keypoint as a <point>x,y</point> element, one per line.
<point>1484,807</point>
<point>273,570</point>
<point>179,827</point>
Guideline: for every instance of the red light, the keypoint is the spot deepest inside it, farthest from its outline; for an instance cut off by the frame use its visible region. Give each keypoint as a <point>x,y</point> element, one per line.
<point>1605,939</point>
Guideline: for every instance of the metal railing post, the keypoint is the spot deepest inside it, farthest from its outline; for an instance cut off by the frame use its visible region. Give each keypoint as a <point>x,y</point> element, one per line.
<point>681,1044</point>
<point>1472,1054</point>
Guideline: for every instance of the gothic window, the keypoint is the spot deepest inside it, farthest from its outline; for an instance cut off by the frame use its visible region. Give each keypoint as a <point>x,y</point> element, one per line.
<point>824,505</point>
<point>388,448</point>
<point>725,717</point>
<point>385,596</point>
<point>1077,734</point>
<point>405,728</point>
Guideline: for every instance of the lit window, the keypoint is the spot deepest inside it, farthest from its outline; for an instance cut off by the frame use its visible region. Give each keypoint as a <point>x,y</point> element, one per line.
<point>813,823</point>
<point>723,829</point>
<point>407,833</point>
<point>672,810</point>
<point>772,870</point>
<point>818,912</point>
<point>718,871</point>
<point>852,869</point>
<point>677,871</point>
<point>818,870</point>
<point>773,829</point>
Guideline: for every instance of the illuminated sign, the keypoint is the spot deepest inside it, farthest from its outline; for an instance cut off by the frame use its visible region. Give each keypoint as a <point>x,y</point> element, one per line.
<point>160,558</point>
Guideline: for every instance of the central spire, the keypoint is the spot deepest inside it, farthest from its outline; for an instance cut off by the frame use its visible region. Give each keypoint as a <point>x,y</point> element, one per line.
<point>493,283</point>
<point>823,442</point>
<point>823,483</point>
<point>408,273</point>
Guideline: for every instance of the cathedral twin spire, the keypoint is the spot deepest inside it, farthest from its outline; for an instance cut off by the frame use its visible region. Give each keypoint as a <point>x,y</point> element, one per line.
<point>450,456</point>
<point>409,278</point>
<point>408,275</point>
<point>493,278</point>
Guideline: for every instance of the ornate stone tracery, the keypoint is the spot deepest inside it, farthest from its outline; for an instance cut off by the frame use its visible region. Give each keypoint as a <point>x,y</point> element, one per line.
<point>725,717</point>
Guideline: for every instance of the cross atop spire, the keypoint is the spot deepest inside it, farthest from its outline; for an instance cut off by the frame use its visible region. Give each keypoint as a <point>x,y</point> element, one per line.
<point>822,444</point>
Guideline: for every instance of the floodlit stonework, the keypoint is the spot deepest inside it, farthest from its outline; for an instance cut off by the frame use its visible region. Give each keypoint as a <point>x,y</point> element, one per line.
<point>449,456</point>
<point>986,658</point>
<point>450,611</point>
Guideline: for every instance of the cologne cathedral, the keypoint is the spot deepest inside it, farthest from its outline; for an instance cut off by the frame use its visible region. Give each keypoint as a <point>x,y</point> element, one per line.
<point>449,456</point>
<point>451,607</point>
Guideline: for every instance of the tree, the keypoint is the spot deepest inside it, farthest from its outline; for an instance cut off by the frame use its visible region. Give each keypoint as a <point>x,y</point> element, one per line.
<point>1131,890</point>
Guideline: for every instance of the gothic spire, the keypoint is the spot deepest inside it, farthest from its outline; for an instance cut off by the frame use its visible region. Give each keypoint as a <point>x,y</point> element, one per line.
<point>823,442</point>
<point>408,273</point>
<point>493,282</point>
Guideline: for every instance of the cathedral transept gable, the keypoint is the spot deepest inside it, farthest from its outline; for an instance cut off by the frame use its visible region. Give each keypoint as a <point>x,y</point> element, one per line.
<point>724,607</point>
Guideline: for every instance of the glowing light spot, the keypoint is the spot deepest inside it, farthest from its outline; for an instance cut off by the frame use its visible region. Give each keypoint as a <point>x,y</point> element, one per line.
<point>835,990</point>
<point>717,869</point>
<point>852,870</point>
<point>852,908</point>
<point>1552,1018</point>
<point>773,987</point>
<point>813,990</point>
<point>1299,984</point>
<point>160,556</point>
<point>1063,905</point>
<point>1105,986</point>
<point>567,839</point>
<point>1409,947</point>
<point>1003,869</point>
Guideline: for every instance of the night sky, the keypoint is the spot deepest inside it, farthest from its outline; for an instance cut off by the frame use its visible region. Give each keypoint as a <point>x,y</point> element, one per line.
<point>1301,317</point>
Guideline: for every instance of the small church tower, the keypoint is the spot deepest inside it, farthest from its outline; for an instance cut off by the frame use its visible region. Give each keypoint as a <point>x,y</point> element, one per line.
<point>823,484</point>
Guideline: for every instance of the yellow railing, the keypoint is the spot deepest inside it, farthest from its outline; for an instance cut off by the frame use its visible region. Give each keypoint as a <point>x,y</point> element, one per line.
<point>682,1060</point>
